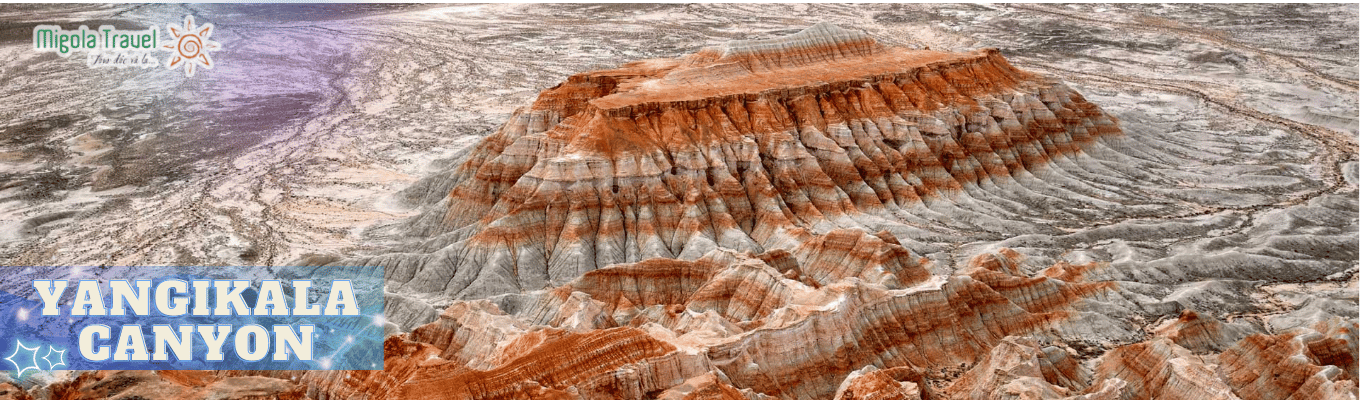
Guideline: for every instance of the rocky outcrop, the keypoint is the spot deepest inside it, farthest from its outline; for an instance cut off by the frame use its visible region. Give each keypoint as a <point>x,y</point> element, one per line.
<point>1019,369</point>
<point>870,383</point>
<point>753,221</point>
<point>1159,369</point>
<point>949,323</point>
<point>726,325</point>
<point>1034,294</point>
<point>1305,363</point>
<point>9,391</point>
<point>593,364</point>
<point>1202,334</point>
<point>796,144</point>
<point>702,387</point>
<point>736,205</point>
<point>813,216</point>
<point>173,385</point>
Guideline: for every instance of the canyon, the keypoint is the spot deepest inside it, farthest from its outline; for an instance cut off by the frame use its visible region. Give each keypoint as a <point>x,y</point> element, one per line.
<point>751,216</point>
<point>876,210</point>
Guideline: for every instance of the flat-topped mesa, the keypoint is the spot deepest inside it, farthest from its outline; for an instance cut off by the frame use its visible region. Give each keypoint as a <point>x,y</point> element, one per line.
<point>752,146</point>
<point>802,64</point>
<point>726,67</point>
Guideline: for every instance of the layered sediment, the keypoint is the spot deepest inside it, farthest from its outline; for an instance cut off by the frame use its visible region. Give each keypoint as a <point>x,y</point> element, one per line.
<point>749,221</point>
<point>779,145</point>
<point>762,220</point>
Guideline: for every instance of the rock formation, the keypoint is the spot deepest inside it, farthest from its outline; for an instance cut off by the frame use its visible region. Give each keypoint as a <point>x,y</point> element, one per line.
<point>170,385</point>
<point>751,221</point>
<point>1018,368</point>
<point>796,144</point>
<point>746,222</point>
<point>1305,363</point>
<point>1202,334</point>
<point>1159,369</point>
<point>901,383</point>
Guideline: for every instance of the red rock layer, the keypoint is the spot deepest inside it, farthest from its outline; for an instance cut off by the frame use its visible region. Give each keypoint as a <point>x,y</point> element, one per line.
<point>1061,368</point>
<point>951,325</point>
<point>1158,369</point>
<point>154,385</point>
<point>1034,294</point>
<point>8,391</point>
<point>468,333</point>
<point>1018,368</point>
<point>703,387</point>
<point>650,282</point>
<point>1068,271</point>
<point>744,293</point>
<point>901,383</point>
<point>581,360</point>
<point>736,287</point>
<point>1300,364</point>
<point>756,147</point>
<point>845,253</point>
<point>1198,333</point>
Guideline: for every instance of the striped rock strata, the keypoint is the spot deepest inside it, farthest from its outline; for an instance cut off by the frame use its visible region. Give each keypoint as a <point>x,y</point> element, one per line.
<point>871,383</point>
<point>652,330</point>
<point>1317,362</point>
<point>748,222</point>
<point>636,330</point>
<point>798,144</point>
<point>728,325</point>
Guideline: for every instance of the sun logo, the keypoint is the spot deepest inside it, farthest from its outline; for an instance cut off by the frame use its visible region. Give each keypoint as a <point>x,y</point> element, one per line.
<point>190,46</point>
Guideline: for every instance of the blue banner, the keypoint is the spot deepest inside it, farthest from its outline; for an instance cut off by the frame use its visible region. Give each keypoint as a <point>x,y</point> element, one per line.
<point>191,318</point>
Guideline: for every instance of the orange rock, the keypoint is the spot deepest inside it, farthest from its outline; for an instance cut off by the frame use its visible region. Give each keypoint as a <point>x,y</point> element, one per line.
<point>950,324</point>
<point>1200,334</point>
<point>1068,272</point>
<point>1018,368</point>
<point>1317,363</point>
<point>1035,294</point>
<point>845,253</point>
<point>587,362</point>
<point>702,387</point>
<point>759,146</point>
<point>1159,369</point>
<point>900,383</point>
<point>737,287</point>
<point>685,227</point>
<point>8,391</point>
<point>646,283</point>
<point>154,385</point>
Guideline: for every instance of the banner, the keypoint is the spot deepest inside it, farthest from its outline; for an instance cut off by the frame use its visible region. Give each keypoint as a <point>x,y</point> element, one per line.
<point>193,318</point>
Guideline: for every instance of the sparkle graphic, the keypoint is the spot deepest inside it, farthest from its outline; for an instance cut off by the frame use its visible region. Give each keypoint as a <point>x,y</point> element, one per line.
<point>190,46</point>
<point>60,358</point>
<point>30,353</point>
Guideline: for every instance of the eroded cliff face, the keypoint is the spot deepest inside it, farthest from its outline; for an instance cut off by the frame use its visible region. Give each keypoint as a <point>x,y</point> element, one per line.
<point>752,221</point>
<point>749,221</point>
<point>751,147</point>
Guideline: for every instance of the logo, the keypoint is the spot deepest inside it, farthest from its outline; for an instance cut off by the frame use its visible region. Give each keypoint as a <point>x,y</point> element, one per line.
<point>191,46</point>
<point>109,46</point>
